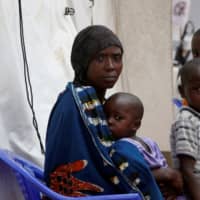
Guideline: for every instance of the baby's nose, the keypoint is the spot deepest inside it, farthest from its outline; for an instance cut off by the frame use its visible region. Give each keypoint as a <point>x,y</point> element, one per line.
<point>110,121</point>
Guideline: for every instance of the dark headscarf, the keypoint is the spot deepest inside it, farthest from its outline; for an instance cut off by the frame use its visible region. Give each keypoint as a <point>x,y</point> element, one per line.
<point>86,45</point>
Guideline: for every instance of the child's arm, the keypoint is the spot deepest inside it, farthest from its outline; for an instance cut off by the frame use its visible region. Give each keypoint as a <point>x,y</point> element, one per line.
<point>191,181</point>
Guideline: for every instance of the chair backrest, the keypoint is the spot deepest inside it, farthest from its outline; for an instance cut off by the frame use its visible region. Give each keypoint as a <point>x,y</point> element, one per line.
<point>30,179</point>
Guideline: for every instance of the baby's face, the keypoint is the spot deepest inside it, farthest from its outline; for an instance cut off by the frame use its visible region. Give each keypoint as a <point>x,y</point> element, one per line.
<point>120,118</point>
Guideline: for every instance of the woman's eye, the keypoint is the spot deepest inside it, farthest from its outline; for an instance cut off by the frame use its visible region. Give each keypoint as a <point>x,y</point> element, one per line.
<point>196,89</point>
<point>100,58</point>
<point>117,58</point>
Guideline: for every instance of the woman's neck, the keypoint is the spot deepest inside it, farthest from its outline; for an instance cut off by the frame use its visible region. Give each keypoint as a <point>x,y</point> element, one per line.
<point>100,92</point>
<point>101,95</point>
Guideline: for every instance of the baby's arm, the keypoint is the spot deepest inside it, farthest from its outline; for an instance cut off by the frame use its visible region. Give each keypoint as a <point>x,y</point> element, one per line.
<point>192,182</point>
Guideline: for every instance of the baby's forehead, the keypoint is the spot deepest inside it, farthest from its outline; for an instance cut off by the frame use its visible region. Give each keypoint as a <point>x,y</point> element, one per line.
<point>129,106</point>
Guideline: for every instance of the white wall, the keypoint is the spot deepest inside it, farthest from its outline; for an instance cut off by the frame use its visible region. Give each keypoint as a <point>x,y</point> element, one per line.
<point>145,30</point>
<point>194,13</point>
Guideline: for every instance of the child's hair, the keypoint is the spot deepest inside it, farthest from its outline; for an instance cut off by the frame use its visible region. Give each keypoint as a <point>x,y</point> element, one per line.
<point>195,51</point>
<point>186,70</point>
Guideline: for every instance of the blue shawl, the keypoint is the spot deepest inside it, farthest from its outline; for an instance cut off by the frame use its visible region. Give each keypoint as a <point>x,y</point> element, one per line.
<point>78,146</point>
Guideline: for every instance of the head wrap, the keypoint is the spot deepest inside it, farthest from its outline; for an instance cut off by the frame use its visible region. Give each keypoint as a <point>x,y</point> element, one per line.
<point>86,45</point>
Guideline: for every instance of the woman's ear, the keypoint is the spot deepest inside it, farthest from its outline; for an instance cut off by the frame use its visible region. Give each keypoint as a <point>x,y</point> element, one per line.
<point>181,91</point>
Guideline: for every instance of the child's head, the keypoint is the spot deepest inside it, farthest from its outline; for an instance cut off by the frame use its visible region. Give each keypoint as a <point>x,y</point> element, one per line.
<point>189,87</point>
<point>196,44</point>
<point>124,113</point>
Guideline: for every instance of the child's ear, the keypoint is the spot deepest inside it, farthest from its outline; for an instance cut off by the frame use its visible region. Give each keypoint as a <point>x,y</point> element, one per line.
<point>181,91</point>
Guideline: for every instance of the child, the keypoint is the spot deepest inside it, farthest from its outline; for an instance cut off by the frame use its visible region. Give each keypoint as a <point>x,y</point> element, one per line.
<point>124,113</point>
<point>195,45</point>
<point>185,132</point>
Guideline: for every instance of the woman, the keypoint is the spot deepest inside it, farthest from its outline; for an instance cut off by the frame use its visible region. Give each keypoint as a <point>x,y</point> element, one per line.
<point>79,157</point>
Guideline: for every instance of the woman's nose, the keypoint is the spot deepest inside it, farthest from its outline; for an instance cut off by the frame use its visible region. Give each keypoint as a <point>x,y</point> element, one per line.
<point>109,64</point>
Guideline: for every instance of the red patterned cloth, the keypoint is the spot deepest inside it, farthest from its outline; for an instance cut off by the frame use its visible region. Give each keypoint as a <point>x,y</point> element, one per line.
<point>63,181</point>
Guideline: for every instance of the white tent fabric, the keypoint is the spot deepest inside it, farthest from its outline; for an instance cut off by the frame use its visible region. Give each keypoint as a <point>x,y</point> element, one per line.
<point>48,39</point>
<point>83,13</point>
<point>98,12</point>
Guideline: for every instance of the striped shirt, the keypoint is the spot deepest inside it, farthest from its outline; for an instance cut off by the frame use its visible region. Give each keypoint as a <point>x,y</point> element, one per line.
<point>185,136</point>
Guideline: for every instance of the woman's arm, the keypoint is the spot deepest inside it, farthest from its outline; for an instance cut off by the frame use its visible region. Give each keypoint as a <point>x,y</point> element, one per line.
<point>191,181</point>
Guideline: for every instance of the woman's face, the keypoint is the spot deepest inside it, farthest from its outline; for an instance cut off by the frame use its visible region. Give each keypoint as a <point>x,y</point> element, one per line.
<point>105,68</point>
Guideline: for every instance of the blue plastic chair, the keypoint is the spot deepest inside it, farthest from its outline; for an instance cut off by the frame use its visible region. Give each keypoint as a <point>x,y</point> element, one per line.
<point>30,179</point>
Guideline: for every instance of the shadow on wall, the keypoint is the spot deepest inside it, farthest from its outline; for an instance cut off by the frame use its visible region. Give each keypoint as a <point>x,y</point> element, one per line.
<point>167,155</point>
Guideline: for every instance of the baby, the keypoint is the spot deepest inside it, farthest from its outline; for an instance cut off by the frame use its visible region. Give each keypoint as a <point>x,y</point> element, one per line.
<point>124,114</point>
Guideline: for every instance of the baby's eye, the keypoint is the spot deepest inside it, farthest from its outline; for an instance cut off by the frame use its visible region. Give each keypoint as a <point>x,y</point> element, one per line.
<point>118,118</point>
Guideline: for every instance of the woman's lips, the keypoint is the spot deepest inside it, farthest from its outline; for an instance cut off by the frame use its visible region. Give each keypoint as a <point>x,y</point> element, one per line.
<point>110,78</point>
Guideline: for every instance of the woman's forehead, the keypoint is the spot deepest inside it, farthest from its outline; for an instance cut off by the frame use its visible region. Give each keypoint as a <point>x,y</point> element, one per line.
<point>111,49</point>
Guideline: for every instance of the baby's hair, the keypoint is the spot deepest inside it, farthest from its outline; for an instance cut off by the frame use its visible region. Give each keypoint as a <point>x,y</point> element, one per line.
<point>187,69</point>
<point>131,99</point>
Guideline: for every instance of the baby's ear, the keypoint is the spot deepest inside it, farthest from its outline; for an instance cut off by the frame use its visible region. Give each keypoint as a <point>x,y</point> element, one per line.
<point>137,124</point>
<point>181,91</point>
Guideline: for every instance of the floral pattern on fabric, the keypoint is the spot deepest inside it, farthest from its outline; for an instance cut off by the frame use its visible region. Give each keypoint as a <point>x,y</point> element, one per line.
<point>63,181</point>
